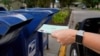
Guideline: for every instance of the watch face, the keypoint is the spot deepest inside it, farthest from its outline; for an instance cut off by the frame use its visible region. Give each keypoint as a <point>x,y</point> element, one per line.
<point>79,37</point>
<point>80,33</point>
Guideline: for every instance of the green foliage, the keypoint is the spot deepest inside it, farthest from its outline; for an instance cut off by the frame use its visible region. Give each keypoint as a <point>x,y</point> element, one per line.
<point>7,3</point>
<point>38,3</point>
<point>60,16</point>
<point>65,3</point>
<point>91,3</point>
<point>46,3</point>
<point>30,3</point>
<point>79,0</point>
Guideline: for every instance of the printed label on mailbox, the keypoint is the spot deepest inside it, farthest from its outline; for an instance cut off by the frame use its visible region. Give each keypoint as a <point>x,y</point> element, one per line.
<point>32,48</point>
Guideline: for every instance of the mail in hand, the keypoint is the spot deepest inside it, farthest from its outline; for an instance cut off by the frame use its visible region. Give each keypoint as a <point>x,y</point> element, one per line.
<point>46,28</point>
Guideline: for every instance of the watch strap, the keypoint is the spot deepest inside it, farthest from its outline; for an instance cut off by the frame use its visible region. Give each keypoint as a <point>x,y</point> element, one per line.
<point>79,37</point>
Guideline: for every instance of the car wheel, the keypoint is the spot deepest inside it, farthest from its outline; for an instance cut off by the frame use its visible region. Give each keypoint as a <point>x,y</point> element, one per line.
<point>73,50</point>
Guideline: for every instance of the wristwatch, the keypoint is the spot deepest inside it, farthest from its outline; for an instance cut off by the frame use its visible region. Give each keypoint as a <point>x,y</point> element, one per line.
<point>79,37</point>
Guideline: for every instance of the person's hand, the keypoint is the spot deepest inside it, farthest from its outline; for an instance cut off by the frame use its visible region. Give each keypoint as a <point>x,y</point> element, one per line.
<point>65,36</point>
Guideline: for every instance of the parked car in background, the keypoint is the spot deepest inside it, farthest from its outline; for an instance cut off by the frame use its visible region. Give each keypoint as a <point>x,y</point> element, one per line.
<point>84,7</point>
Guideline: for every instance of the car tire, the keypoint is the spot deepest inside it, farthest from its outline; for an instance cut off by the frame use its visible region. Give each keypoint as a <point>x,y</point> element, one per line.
<point>73,50</point>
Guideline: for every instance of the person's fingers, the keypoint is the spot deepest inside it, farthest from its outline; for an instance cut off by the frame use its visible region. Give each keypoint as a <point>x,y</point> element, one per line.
<point>53,34</point>
<point>58,40</point>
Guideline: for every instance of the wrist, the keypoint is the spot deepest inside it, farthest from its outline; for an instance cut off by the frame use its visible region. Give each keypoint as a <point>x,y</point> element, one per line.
<point>74,32</point>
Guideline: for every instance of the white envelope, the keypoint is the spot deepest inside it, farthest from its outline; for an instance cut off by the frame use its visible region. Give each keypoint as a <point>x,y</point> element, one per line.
<point>46,28</point>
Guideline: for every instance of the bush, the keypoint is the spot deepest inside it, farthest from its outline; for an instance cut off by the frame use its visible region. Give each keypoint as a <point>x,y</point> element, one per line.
<point>60,17</point>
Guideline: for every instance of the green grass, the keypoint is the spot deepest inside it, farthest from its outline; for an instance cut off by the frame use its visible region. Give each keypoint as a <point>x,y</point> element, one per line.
<point>60,16</point>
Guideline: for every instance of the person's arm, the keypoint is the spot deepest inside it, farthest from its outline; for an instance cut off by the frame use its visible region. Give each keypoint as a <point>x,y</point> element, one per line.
<point>92,41</point>
<point>67,36</point>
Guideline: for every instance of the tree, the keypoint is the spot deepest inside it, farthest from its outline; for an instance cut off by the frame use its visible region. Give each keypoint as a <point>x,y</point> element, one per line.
<point>7,3</point>
<point>96,2</point>
<point>91,3</point>
<point>69,2</point>
<point>38,3</point>
<point>65,3</point>
<point>53,2</point>
<point>62,3</point>
<point>31,3</point>
<point>44,3</point>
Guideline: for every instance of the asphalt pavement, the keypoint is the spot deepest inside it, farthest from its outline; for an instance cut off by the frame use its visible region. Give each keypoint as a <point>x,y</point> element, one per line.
<point>53,47</point>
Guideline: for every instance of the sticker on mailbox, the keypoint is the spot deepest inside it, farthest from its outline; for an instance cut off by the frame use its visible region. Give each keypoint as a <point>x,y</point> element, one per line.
<point>32,48</point>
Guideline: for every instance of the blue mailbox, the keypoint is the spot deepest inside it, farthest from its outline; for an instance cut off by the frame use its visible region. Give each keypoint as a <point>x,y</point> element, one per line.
<point>41,10</point>
<point>42,41</point>
<point>55,10</point>
<point>40,17</point>
<point>29,35</point>
<point>4,13</point>
<point>10,26</point>
<point>12,20</point>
